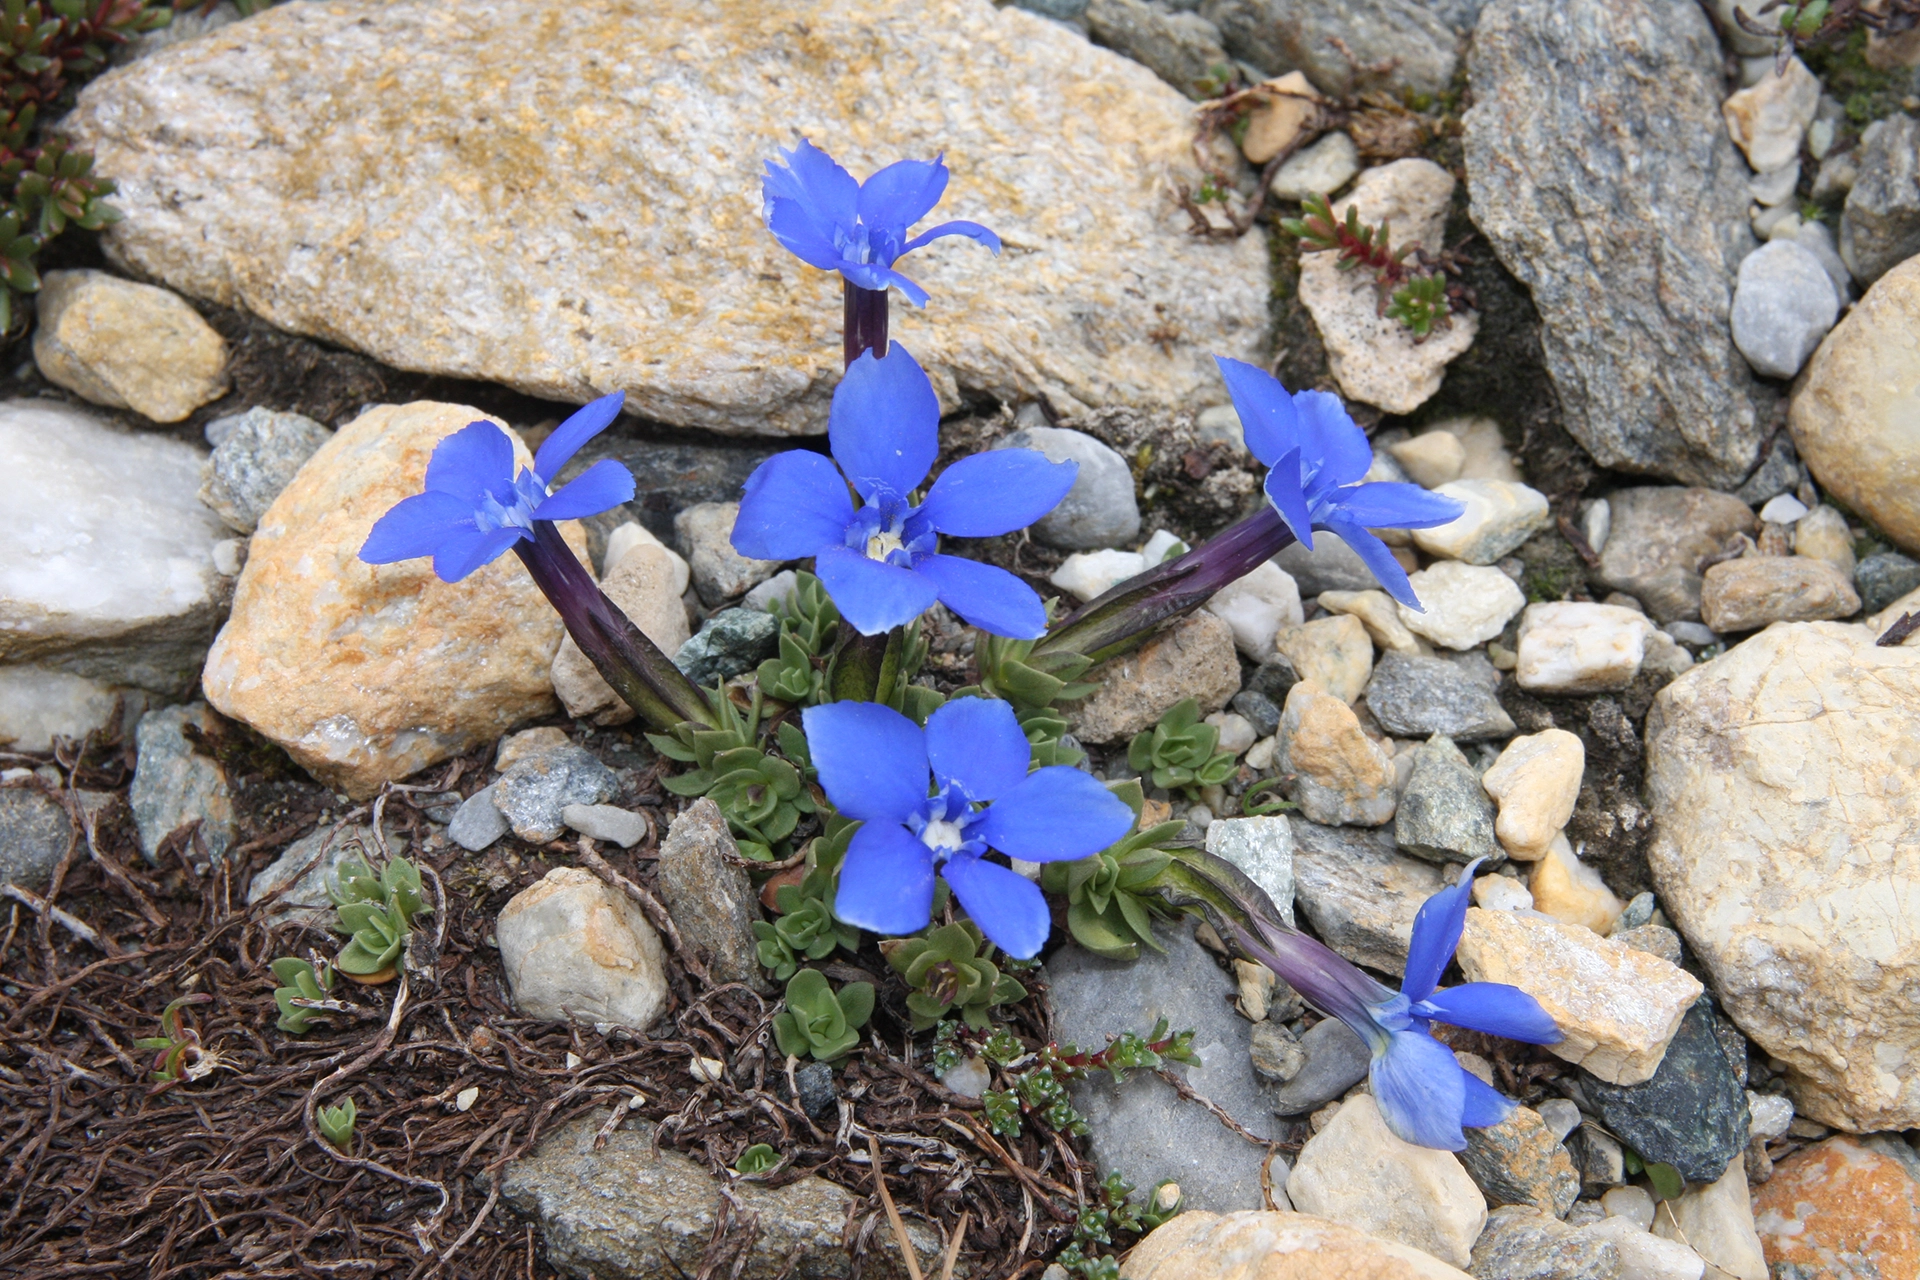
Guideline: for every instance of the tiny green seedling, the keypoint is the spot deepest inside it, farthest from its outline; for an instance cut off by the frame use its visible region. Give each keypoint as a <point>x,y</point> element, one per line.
<point>336,1124</point>
<point>180,1052</point>
<point>757,1158</point>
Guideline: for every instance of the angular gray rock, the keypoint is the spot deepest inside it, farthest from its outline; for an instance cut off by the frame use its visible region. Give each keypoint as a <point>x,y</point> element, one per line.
<point>1883,578</point>
<point>1100,510</point>
<point>1521,1243</point>
<point>1660,535</point>
<point>1262,848</point>
<point>534,793</point>
<point>1413,696</point>
<point>1692,1114</point>
<point>1337,1060</point>
<point>1142,1127</point>
<point>1880,228</point>
<point>34,834</point>
<point>1445,814</point>
<point>1181,48</point>
<point>174,784</point>
<point>1395,44</point>
<point>631,1212</point>
<point>219,148</point>
<point>728,644</point>
<point>1604,177</point>
<point>258,453</point>
<point>1359,892</point>
<point>708,895</point>
<point>1520,1161</point>
<point>477,823</point>
<point>1780,309</point>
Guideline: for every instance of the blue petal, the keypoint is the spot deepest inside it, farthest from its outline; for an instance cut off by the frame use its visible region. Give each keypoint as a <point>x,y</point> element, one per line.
<point>1008,907</point>
<point>1492,1007</point>
<point>825,191</point>
<point>583,425</point>
<point>601,487</point>
<point>1056,814</point>
<point>872,760</point>
<point>988,494</point>
<point>976,745</point>
<point>1330,442</point>
<point>971,230</point>
<point>1268,419</point>
<point>1283,489</point>
<point>460,556</point>
<point>794,504</point>
<point>417,526</point>
<point>872,595</point>
<point>1417,1084</point>
<point>886,880</point>
<point>1484,1105</point>
<point>1390,505</point>
<point>885,423</point>
<point>795,227</point>
<point>900,195</point>
<point>474,461</point>
<point>1436,932</point>
<point>1377,557</point>
<point>871,275</point>
<point>987,597</point>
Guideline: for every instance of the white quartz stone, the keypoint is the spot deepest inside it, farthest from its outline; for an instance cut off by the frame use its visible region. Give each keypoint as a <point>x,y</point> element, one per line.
<point>1575,647</point>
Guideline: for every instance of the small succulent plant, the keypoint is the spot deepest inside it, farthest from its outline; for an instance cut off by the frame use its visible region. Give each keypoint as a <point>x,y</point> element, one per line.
<point>818,1022</point>
<point>303,985</point>
<point>950,968</point>
<point>1178,752</point>
<point>762,796</point>
<point>1106,912</point>
<point>376,912</point>
<point>336,1123</point>
<point>806,927</point>
<point>809,625</point>
<point>757,1158</point>
<point>180,1054</point>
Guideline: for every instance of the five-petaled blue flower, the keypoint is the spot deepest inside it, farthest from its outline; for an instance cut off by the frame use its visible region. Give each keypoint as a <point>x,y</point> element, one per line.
<point>824,217</point>
<point>879,563</point>
<point>475,507</point>
<point>1316,456</point>
<point>1424,1094</point>
<point>875,763</point>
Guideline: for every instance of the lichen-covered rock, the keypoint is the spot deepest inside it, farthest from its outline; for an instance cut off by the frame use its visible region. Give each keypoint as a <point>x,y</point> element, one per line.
<point>1521,1161</point>
<point>126,345</point>
<point>1840,1209</point>
<point>1780,777</point>
<point>1341,776</point>
<point>368,673</point>
<point>1632,279</point>
<point>255,168</point>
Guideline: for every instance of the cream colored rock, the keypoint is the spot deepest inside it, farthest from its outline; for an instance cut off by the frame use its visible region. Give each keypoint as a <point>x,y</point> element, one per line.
<point>1499,516</point>
<point>1571,891</point>
<point>600,228</point>
<point>1822,534</point>
<point>1342,777</point>
<point>126,345</point>
<point>1716,1222</point>
<point>1487,457</point>
<point>1086,574</point>
<point>1375,359</point>
<point>1465,605</point>
<point>632,535</point>
<point>1253,1244</point>
<point>1378,614</point>
<point>1430,460</point>
<point>1856,417</point>
<point>365,673</point>
<point>573,948</point>
<point>1355,1171</point>
<point>1767,120</point>
<point>1194,658</point>
<point>1575,647</point>
<point>642,584</point>
<point>1535,781</point>
<point>1284,108</point>
<point>1754,591</point>
<point>1256,606</point>
<point>1643,1255</point>
<point>1781,778</point>
<point>1617,1007</point>
<point>1337,652</point>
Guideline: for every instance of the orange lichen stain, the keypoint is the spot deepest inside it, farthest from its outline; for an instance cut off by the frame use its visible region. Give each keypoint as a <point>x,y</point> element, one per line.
<point>1840,1211</point>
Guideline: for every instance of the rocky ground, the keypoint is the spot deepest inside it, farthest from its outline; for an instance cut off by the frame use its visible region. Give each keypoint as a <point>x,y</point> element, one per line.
<point>1665,680</point>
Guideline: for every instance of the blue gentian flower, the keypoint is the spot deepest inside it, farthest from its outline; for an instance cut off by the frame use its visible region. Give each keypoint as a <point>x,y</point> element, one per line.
<point>475,507</point>
<point>875,765</point>
<point>1316,456</point>
<point>824,217</point>
<point>1424,1093</point>
<point>879,563</point>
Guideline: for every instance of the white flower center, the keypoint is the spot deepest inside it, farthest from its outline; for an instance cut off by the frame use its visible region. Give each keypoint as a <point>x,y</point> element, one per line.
<point>941,834</point>
<point>882,545</point>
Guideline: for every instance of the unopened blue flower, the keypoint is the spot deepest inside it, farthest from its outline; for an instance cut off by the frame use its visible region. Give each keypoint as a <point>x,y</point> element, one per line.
<point>475,507</point>
<point>875,765</point>
<point>824,217</point>
<point>1316,456</point>
<point>879,563</point>
<point>1423,1092</point>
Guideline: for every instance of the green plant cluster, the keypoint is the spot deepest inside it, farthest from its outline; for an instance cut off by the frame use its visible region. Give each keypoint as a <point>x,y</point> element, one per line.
<point>336,1123</point>
<point>1107,912</point>
<point>1040,1090</point>
<point>809,624</point>
<point>375,912</point>
<point>300,980</point>
<point>806,927</point>
<point>1411,291</point>
<point>1178,752</point>
<point>1090,1253</point>
<point>762,796</point>
<point>818,1022</point>
<point>758,1158</point>
<point>948,968</point>
<point>1033,686</point>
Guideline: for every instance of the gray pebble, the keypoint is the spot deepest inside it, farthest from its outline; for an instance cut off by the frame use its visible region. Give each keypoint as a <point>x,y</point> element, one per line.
<point>1100,510</point>
<point>1276,1052</point>
<point>730,643</point>
<point>1444,813</point>
<point>1561,1115</point>
<point>476,823</point>
<point>1783,304</point>
<point>1337,1060</point>
<point>534,793</point>
<point>1413,696</point>
<point>1884,578</point>
<point>256,455</point>
<point>34,831</point>
<point>1259,709</point>
<point>608,823</point>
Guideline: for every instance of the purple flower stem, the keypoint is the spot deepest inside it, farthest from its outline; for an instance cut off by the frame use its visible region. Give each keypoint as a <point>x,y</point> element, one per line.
<point>864,321</point>
<point>1112,623</point>
<point>642,675</point>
